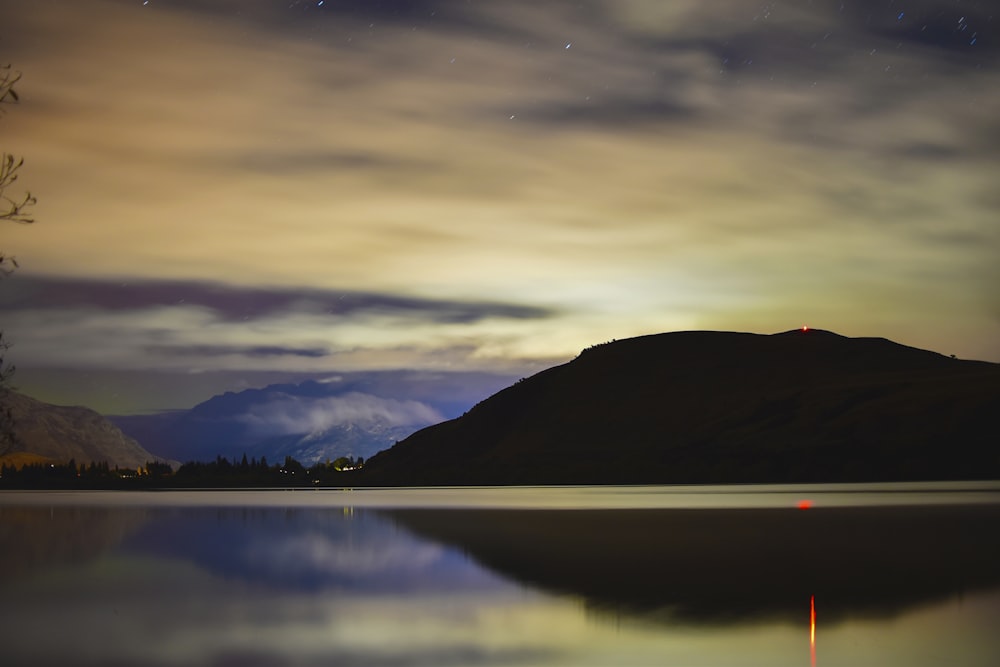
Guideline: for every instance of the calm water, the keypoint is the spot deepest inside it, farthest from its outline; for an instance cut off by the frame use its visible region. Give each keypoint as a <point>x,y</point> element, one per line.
<point>772,575</point>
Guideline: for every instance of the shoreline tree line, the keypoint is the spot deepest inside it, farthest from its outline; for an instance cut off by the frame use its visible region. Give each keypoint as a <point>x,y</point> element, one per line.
<point>219,473</point>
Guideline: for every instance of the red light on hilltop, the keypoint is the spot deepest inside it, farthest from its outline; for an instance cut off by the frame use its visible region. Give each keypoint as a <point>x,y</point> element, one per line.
<point>805,328</point>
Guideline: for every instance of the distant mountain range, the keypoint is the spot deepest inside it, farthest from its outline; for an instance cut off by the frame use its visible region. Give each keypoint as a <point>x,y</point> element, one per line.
<point>720,407</point>
<point>311,422</point>
<point>56,433</point>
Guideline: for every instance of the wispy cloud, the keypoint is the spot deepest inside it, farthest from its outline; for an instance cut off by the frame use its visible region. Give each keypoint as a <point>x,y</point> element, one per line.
<point>287,415</point>
<point>253,351</point>
<point>234,303</point>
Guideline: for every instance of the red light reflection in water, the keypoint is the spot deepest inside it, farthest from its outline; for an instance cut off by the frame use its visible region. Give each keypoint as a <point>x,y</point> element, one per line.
<point>812,630</point>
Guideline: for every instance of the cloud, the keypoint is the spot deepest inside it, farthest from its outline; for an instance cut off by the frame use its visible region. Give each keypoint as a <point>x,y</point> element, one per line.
<point>190,326</point>
<point>962,30</point>
<point>256,351</point>
<point>292,415</point>
<point>234,303</point>
<point>317,556</point>
<point>278,162</point>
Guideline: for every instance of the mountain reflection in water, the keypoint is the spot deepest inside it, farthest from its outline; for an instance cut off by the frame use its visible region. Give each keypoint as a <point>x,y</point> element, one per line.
<point>499,577</point>
<point>731,565</point>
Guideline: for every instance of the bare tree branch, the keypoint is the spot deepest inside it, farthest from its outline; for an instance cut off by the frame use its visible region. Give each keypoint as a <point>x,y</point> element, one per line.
<point>8,78</point>
<point>13,209</point>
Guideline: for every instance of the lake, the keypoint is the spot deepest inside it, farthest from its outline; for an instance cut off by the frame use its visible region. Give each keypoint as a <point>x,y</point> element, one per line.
<point>855,575</point>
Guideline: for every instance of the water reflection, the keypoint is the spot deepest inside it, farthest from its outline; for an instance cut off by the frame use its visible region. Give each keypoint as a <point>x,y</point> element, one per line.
<point>180,584</point>
<point>32,538</point>
<point>812,630</point>
<point>294,548</point>
<point>733,565</point>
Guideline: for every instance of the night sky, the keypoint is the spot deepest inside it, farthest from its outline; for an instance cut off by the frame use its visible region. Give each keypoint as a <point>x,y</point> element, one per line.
<point>232,192</point>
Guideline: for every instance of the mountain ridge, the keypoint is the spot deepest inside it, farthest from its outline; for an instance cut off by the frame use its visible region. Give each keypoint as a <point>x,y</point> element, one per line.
<point>803,405</point>
<point>62,433</point>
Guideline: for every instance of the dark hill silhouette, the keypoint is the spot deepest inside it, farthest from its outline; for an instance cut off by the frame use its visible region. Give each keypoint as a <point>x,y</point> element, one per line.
<point>715,407</point>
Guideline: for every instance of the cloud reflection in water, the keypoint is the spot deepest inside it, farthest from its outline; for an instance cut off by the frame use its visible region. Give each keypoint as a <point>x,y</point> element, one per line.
<point>321,586</point>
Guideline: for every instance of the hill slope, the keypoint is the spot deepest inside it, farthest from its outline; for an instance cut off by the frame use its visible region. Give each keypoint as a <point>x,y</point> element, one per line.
<point>704,407</point>
<point>61,433</point>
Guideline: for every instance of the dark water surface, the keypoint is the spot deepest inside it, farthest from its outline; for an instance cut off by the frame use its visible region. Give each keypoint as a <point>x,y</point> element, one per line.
<point>761,575</point>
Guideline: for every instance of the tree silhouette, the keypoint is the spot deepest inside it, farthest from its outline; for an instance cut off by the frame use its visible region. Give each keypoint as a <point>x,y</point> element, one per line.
<point>12,209</point>
<point>7,436</point>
